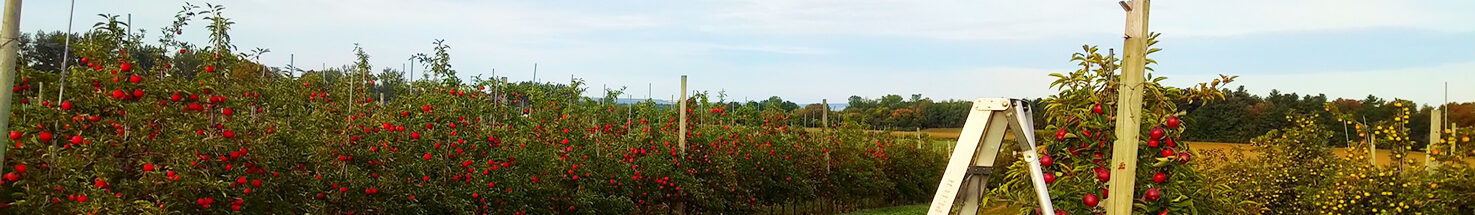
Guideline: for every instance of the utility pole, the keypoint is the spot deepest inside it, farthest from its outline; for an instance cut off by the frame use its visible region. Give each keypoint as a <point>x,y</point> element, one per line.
<point>1452,132</point>
<point>1129,110</point>
<point>681,113</point>
<point>10,33</point>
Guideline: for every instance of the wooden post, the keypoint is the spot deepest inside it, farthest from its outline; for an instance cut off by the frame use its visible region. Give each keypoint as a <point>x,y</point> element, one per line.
<point>1129,110</point>
<point>824,129</point>
<point>824,118</point>
<point>1436,124</point>
<point>9,32</point>
<point>681,113</point>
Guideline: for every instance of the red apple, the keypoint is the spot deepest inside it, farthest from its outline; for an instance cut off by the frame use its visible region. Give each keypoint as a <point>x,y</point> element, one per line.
<point>1103,174</point>
<point>1153,194</point>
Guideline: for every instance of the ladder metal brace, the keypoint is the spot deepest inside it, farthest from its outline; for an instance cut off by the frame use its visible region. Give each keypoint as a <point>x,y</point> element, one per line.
<point>972,161</point>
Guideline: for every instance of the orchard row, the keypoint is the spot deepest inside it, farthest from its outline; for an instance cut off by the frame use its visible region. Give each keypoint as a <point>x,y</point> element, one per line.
<point>205,131</point>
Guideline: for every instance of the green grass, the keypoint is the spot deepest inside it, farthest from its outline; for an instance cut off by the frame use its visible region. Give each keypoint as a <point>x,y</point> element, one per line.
<point>908,209</point>
<point>995,208</point>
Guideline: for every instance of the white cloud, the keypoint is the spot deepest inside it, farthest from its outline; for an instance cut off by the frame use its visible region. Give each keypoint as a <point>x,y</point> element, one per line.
<point>1232,18</point>
<point>500,19</point>
<point>1011,20</point>
<point>792,50</point>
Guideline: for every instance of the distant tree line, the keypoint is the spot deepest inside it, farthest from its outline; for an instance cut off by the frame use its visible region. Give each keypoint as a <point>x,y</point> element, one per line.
<point>890,112</point>
<point>1236,119</point>
<point>1242,115</point>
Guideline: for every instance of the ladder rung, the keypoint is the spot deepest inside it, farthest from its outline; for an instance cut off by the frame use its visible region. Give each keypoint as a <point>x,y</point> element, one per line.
<point>980,170</point>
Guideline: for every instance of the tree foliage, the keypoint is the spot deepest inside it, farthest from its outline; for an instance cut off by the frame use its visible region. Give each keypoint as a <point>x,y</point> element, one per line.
<point>204,131</point>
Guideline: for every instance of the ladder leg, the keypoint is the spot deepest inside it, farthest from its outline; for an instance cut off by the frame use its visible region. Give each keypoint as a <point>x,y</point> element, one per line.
<point>973,194</point>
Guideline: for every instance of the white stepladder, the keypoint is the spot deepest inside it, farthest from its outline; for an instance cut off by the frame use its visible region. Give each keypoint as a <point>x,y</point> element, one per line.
<point>972,162</point>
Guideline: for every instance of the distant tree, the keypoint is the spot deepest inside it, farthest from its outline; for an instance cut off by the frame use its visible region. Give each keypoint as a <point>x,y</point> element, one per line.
<point>391,83</point>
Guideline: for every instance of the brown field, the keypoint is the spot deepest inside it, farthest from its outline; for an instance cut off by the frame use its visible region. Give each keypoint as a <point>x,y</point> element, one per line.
<point>1383,155</point>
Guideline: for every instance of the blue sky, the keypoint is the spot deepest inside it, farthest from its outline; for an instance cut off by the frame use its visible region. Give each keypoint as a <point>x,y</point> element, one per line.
<point>807,50</point>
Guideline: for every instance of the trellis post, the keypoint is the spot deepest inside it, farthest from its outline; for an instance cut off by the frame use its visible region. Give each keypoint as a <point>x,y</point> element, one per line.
<point>1129,110</point>
<point>11,34</point>
<point>824,121</point>
<point>1436,127</point>
<point>681,113</point>
<point>1454,129</point>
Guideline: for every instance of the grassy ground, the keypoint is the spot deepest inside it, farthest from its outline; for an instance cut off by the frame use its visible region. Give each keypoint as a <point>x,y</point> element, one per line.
<point>907,209</point>
<point>934,132</point>
<point>922,209</point>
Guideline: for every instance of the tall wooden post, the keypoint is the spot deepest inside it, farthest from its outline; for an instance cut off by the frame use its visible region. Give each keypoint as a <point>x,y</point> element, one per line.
<point>681,113</point>
<point>1129,110</point>
<point>824,118</point>
<point>9,32</point>
<point>1436,127</point>
<point>824,123</point>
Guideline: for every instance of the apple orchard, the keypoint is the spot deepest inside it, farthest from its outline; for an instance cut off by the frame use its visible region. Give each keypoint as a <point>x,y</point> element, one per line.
<point>175,127</point>
<point>205,131</point>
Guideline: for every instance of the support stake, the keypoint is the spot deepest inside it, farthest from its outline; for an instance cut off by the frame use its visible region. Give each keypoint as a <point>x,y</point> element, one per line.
<point>681,113</point>
<point>10,34</point>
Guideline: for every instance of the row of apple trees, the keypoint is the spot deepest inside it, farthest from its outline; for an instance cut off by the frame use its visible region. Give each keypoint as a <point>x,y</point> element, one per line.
<point>204,130</point>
